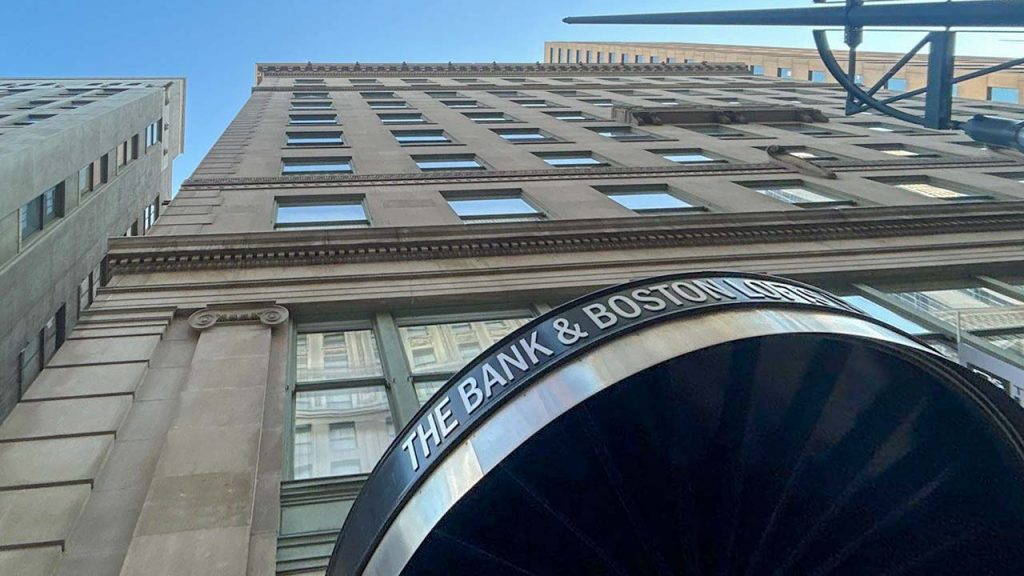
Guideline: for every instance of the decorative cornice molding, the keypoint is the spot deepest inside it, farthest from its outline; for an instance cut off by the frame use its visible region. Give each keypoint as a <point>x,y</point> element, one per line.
<point>478,176</point>
<point>216,251</point>
<point>356,69</point>
<point>267,314</point>
<point>581,83</point>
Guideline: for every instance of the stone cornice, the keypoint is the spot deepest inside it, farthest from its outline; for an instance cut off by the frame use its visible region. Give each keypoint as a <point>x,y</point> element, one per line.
<point>580,84</point>
<point>296,248</point>
<point>379,70</point>
<point>480,176</point>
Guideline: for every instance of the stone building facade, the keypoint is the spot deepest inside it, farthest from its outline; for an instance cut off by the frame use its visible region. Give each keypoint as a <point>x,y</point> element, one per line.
<point>81,160</point>
<point>1000,88</point>
<point>361,231</point>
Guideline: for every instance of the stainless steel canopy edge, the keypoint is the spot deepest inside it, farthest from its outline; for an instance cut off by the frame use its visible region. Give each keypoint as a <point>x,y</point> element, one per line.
<point>400,504</point>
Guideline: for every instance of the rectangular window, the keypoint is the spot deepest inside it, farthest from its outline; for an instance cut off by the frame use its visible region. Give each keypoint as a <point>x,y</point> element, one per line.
<point>121,154</point>
<point>588,57</point>
<point>664,101</point>
<point>313,214</point>
<point>340,431</point>
<point>896,85</point>
<point>524,135</point>
<point>816,76</point>
<point>364,81</point>
<point>970,302</point>
<point>622,133</point>
<point>891,128</point>
<point>149,216</point>
<point>135,147</point>
<point>489,117</point>
<point>312,119</point>
<point>444,349</point>
<point>39,212</point>
<point>927,187</point>
<point>380,95</point>
<point>444,94</point>
<point>655,60</point>
<point>388,105</point>
<point>310,95</point>
<point>311,105</point>
<point>85,179</point>
<point>602,102</point>
<point>309,81</point>
<point>533,103</point>
<point>31,217</point>
<point>784,73</point>
<point>406,137</point>
<point>330,356</point>
<point>402,118</point>
<point>336,165</point>
<point>805,153</point>
<point>718,131</point>
<point>689,156</point>
<point>462,104</point>
<point>798,194</point>
<point>570,159</point>
<point>1008,95</point>
<point>757,70</point>
<point>648,199</point>
<point>315,139</point>
<point>901,151</point>
<point>571,116</point>
<point>880,312</point>
<point>454,162</point>
<point>810,130</point>
<point>507,94</point>
<point>492,208</point>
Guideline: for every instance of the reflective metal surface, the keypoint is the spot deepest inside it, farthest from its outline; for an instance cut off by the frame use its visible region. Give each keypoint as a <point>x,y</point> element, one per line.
<point>569,385</point>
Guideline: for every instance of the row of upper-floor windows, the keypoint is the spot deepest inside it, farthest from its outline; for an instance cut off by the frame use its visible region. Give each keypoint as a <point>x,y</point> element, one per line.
<point>315,83</point>
<point>344,413</point>
<point>45,209</point>
<point>616,132</point>
<point>390,100</point>
<point>513,205</point>
<point>1008,95</point>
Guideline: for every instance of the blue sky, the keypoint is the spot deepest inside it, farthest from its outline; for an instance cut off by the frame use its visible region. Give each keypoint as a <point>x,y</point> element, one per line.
<point>215,43</point>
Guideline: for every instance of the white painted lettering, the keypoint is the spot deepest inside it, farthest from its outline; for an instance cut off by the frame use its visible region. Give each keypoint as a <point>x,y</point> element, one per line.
<point>689,292</point>
<point>648,300</point>
<point>600,316</point>
<point>443,414</point>
<point>505,360</point>
<point>532,348</point>
<point>663,290</point>
<point>430,432</point>
<point>624,307</point>
<point>491,377</point>
<point>407,447</point>
<point>471,395</point>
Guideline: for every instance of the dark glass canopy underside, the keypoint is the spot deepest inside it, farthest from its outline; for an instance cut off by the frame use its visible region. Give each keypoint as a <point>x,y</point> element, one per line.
<point>795,454</point>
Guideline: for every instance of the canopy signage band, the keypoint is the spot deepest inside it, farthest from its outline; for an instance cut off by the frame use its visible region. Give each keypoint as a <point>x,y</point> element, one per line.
<point>535,348</point>
<point>592,320</point>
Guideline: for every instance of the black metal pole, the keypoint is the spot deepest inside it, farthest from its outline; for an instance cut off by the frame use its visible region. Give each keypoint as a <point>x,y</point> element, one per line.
<point>978,13</point>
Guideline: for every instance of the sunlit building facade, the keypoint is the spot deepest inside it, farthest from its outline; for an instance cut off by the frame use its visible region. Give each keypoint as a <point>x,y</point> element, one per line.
<point>362,232</point>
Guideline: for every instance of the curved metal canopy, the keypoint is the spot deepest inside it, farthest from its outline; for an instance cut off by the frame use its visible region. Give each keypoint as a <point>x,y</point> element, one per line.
<point>716,423</point>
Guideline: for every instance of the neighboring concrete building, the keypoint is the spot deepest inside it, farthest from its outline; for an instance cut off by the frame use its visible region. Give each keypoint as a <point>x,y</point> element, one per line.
<point>360,232</point>
<point>81,160</point>
<point>1004,87</point>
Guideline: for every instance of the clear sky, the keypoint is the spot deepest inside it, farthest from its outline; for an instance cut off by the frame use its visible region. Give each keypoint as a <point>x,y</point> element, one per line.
<point>215,43</point>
